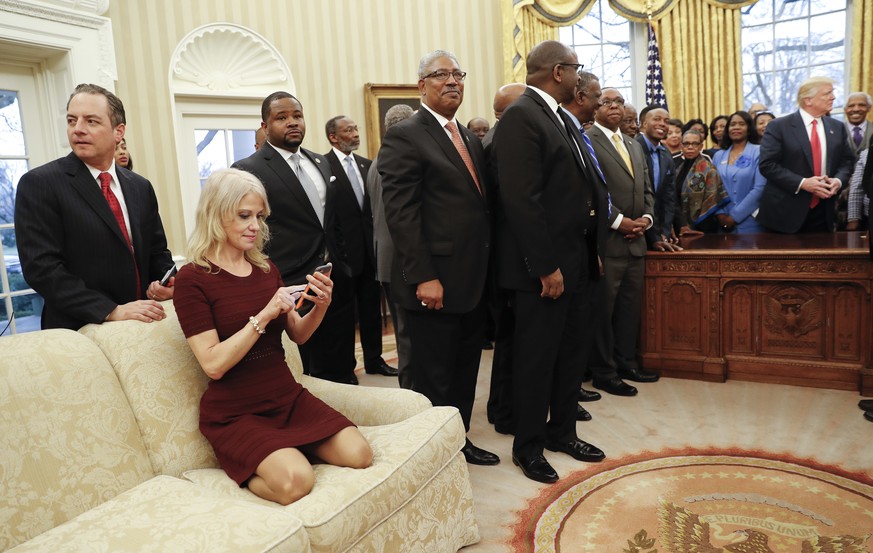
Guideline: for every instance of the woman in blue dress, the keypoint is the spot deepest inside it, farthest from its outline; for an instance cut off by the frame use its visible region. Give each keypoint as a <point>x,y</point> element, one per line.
<point>737,163</point>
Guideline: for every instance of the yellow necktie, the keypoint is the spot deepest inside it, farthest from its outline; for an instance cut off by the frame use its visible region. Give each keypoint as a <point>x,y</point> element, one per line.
<point>621,151</point>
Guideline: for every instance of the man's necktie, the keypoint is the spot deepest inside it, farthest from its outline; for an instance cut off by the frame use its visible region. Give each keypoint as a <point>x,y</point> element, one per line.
<point>621,151</point>
<point>462,150</point>
<point>856,136</point>
<point>356,185</point>
<point>308,187</point>
<point>590,147</point>
<point>815,145</point>
<point>105,181</point>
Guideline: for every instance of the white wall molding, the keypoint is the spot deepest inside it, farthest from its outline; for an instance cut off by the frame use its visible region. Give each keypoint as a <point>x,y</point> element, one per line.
<point>223,59</point>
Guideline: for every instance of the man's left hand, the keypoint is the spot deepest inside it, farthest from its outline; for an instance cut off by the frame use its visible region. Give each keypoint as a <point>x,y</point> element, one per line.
<point>160,293</point>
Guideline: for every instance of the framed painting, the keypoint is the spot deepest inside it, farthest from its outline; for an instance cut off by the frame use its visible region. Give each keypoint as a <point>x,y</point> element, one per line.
<point>378,99</point>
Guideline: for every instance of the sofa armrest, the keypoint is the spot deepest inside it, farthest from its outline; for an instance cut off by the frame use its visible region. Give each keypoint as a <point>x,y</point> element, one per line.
<point>367,406</point>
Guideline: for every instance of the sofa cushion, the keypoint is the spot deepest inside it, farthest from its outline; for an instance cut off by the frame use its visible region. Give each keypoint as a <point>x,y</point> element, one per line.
<point>346,503</point>
<point>168,514</point>
<point>69,441</point>
<point>163,382</point>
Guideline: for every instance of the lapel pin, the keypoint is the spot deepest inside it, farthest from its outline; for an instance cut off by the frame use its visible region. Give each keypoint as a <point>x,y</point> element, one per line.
<point>317,160</point>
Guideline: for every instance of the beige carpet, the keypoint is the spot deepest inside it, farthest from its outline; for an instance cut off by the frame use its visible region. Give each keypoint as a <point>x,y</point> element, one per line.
<point>820,432</point>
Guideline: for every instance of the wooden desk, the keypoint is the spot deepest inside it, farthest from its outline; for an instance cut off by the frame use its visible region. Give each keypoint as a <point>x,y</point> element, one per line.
<point>788,309</point>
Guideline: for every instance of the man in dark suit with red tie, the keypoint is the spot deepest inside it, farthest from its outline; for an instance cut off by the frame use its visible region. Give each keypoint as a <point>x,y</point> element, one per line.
<point>360,294</point>
<point>806,159</point>
<point>89,234</point>
<point>552,214</point>
<point>303,229</point>
<point>436,206</point>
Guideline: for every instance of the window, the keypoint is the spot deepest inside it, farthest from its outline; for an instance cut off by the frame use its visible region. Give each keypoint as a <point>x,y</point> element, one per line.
<point>15,294</point>
<point>787,41</point>
<point>220,148</point>
<point>607,44</point>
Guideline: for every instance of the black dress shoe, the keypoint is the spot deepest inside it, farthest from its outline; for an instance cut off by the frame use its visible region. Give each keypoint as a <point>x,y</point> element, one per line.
<point>638,375</point>
<point>866,404</point>
<point>868,415</point>
<point>588,395</point>
<point>382,368</point>
<point>582,414</point>
<point>478,456</point>
<point>615,386</point>
<point>579,450</point>
<point>536,468</point>
<point>353,380</point>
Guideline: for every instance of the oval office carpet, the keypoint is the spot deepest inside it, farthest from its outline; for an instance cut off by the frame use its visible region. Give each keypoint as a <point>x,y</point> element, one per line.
<point>707,501</point>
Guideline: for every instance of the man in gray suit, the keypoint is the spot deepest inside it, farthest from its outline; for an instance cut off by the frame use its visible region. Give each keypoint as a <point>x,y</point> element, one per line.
<point>384,249</point>
<point>633,206</point>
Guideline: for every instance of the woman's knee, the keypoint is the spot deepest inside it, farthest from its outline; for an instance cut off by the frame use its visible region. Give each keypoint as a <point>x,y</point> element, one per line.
<point>360,454</point>
<point>295,484</point>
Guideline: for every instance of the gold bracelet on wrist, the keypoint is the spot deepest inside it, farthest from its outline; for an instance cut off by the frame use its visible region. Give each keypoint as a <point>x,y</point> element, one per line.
<point>257,326</point>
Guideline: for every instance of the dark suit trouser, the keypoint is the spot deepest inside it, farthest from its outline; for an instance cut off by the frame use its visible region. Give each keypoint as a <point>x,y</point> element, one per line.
<point>330,351</point>
<point>618,309</point>
<point>401,337</point>
<point>446,349</point>
<point>547,356</point>
<point>368,298</point>
<point>500,393</point>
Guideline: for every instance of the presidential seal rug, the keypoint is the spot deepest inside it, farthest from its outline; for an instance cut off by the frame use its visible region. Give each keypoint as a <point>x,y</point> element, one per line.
<point>701,502</point>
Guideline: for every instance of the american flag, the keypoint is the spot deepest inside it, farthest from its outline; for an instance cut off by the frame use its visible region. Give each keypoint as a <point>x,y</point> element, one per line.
<point>654,79</point>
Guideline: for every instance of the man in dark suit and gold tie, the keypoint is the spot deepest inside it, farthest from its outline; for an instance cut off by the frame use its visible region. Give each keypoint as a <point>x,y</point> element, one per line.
<point>806,159</point>
<point>359,296</point>
<point>435,195</point>
<point>547,257</point>
<point>303,228</point>
<point>89,234</point>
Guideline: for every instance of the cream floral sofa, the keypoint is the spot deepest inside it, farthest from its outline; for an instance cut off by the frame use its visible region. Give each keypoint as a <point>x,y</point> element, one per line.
<point>100,452</point>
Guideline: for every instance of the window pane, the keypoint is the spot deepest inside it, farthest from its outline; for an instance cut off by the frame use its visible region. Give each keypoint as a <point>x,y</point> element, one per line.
<point>11,133</point>
<point>758,87</point>
<point>616,66</point>
<point>758,49</point>
<point>759,12</point>
<point>28,310</point>
<point>211,151</point>
<point>242,145</point>
<point>790,9</point>
<point>787,83</point>
<point>565,34</point>
<point>591,57</point>
<point>822,6</point>
<point>4,319</point>
<point>792,44</point>
<point>10,172</point>
<point>589,29</point>
<point>828,42</point>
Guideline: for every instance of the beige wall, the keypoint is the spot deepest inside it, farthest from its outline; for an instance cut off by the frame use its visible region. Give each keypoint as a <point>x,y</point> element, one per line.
<point>333,47</point>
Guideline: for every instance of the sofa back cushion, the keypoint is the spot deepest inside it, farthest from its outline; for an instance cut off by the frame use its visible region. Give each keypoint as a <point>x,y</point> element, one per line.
<point>163,382</point>
<point>68,439</point>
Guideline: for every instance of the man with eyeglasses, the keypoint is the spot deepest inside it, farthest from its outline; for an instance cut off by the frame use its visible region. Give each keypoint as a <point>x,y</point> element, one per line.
<point>434,186</point>
<point>614,356</point>
<point>552,214</point>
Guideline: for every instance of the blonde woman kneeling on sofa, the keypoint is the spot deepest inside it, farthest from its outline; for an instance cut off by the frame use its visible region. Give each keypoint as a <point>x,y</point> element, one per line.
<point>233,307</point>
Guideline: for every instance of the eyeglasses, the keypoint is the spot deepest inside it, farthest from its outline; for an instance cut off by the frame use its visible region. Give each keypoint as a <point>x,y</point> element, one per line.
<point>578,66</point>
<point>607,103</point>
<point>442,75</point>
<point>692,144</point>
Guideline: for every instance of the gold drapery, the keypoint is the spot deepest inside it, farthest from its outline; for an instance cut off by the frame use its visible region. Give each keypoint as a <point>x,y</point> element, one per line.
<point>702,70</point>
<point>701,59</point>
<point>861,70</point>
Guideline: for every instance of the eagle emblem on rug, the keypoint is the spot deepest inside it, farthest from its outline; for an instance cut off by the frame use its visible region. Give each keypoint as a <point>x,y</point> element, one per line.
<point>682,531</point>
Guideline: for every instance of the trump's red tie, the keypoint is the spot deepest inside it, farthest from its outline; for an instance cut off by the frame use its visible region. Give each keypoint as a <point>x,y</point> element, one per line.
<point>815,144</point>
<point>105,180</point>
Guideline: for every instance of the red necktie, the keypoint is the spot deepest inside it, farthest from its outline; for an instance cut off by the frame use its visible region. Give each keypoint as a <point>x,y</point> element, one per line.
<point>462,149</point>
<point>816,158</point>
<point>105,180</point>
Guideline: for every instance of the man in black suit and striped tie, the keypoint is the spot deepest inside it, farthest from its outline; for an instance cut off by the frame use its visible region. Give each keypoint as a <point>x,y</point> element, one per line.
<point>89,234</point>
